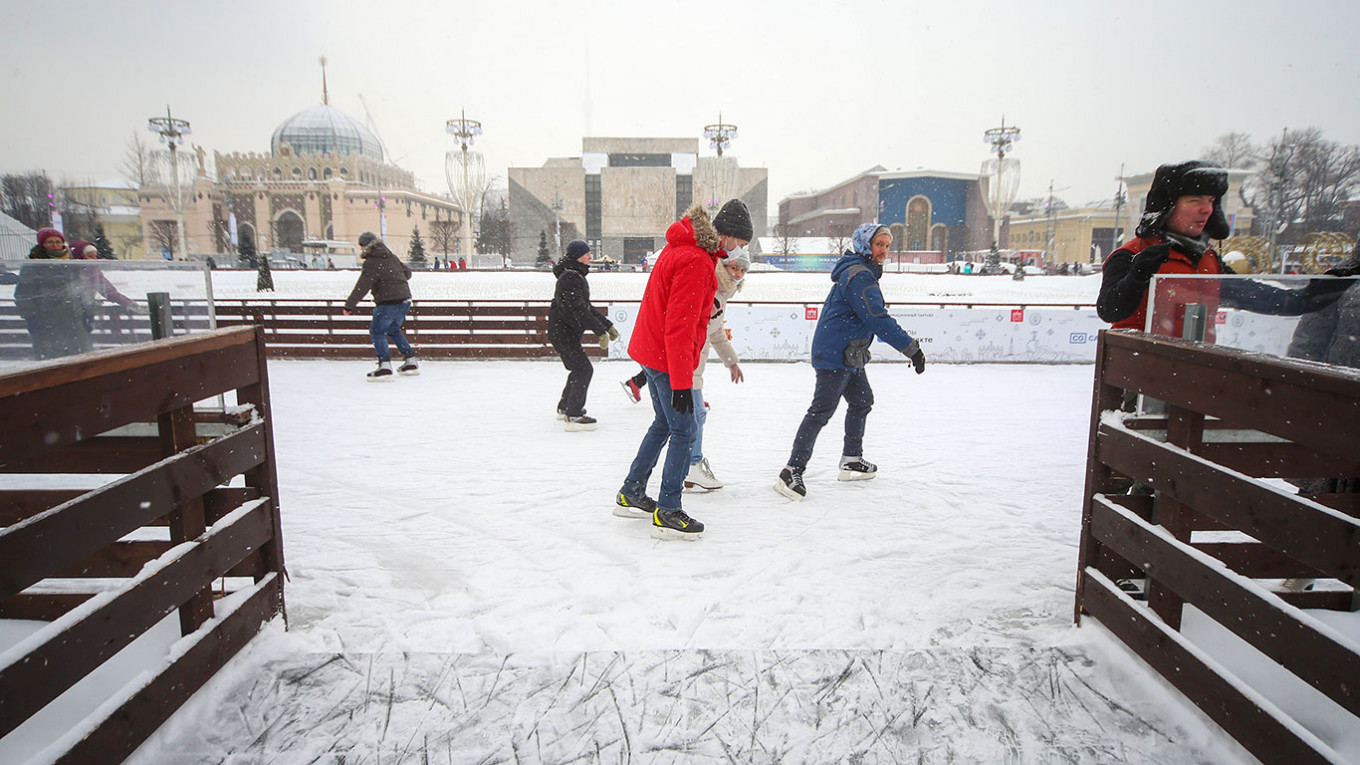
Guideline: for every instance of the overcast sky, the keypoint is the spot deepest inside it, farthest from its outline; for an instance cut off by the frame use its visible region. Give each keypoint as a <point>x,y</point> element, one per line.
<point>819,90</point>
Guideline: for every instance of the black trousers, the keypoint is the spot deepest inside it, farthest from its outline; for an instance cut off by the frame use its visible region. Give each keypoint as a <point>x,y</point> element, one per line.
<point>574,358</point>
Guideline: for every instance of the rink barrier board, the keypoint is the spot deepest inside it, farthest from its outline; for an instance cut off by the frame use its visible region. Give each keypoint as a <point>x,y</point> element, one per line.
<point>964,332</point>
<point>53,417</point>
<point>1233,418</point>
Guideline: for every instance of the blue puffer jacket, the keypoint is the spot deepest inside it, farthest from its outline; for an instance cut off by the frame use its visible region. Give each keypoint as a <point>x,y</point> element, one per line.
<point>854,312</point>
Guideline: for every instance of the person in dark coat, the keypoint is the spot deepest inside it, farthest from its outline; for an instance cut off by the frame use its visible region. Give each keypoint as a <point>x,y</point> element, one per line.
<point>852,316</point>
<point>1332,335</point>
<point>387,277</point>
<point>570,315</point>
<point>1183,213</point>
<point>50,298</point>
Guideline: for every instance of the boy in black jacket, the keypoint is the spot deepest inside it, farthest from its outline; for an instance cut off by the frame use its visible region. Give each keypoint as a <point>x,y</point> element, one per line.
<point>570,315</point>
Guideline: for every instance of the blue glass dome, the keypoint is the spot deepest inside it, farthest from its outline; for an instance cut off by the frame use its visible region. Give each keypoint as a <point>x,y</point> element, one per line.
<point>323,129</point>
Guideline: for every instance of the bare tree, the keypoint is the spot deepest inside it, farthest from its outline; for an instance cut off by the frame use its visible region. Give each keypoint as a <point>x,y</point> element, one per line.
<point>139,162</point>
<point>444,235</point>
<point>838,243</point>
<point>27,198</point>
<point>1237,152</point>
<point>164,236</point>
<point>79,211</point>
<point>1302,181</point>
<point>786,239</point>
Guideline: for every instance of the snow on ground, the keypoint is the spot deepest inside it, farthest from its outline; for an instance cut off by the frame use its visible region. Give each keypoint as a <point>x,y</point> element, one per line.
<point>460,591</point>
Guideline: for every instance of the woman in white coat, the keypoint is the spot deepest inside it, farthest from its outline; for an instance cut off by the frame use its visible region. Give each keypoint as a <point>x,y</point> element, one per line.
<point>730,272</point>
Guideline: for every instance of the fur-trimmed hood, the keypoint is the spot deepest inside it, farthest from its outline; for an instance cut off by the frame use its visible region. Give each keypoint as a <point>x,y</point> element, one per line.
<point>695,228</point>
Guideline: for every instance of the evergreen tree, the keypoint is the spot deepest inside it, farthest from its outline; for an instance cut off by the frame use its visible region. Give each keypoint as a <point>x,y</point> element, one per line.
<point>544,258</point>
<point>246,248</point>
<point>416,252</point>
<point>101,243</point>
<point>264,279</point>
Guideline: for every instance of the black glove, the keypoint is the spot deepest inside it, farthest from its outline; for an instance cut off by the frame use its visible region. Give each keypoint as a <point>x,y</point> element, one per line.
<point>1146,263</point>
<point>683,400</point>
<point>918,360</point>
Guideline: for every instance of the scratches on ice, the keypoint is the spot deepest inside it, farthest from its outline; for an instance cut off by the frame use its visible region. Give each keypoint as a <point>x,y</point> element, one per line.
<point>922,706</point>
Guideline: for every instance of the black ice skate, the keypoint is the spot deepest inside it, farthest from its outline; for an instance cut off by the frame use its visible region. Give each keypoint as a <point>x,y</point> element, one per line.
<point>580,422</point>
<point>674,524</point>
<point>409,367</point>
<point>790,483</point>
<point>857,469</point>
<point>382,374</point>
<point>633,507</point>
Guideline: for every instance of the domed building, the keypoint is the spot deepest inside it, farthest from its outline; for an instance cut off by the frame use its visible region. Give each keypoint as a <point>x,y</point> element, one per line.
<point>324,130</point>
<point>324,181</point>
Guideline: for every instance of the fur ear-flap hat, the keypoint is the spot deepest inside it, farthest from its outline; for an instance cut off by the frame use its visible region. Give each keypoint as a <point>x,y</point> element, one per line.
<point>1176,180</point>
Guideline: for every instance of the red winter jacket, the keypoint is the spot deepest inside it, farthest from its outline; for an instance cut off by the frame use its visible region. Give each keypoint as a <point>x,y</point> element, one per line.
<point>672,322</point>
<point>1168,317</point>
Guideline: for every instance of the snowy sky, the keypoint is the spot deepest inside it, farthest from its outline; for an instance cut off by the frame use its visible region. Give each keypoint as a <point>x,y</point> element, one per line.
<point>819,95</point>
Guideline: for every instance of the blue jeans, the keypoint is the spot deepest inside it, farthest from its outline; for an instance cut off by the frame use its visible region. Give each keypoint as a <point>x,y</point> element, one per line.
<point>832,386</point>
<point>696,452</point>
<point>668,423</point>
<point>386,323</point>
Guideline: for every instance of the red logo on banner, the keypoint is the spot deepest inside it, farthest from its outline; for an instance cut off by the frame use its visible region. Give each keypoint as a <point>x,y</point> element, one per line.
<point>810,313</point>
<point>1220,317</point>
<point>1017,314</point>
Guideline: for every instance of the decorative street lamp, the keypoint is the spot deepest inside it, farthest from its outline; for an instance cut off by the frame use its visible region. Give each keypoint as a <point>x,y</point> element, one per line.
<point>466,172</point>
<point>172,131</point>
<point>720,135</point>
<point>1004,183</point>
<point>1118,207</point>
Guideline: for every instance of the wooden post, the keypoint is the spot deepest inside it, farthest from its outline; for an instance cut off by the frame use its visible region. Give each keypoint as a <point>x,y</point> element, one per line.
<point>265,477</point>
<point>1106,397</point>
<point>177,433</point>
<point>158,305</point>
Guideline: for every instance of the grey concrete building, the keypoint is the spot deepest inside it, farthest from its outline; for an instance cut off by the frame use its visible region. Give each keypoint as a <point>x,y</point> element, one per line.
<point>622,193</point>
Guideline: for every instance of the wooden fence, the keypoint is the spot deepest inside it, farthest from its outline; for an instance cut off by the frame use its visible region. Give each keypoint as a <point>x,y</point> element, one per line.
<point>1232,419</point>
<point>320,328</point>
<point>132,413</point>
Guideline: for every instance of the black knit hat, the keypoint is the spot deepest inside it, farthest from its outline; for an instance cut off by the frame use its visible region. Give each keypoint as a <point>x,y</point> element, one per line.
<point>367,238</point>
<point>734,220</point>
<point>576,248</point>
<point>1176,180</point>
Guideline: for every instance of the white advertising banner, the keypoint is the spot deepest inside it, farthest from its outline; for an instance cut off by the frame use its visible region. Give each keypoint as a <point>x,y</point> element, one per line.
<point>783,332</point>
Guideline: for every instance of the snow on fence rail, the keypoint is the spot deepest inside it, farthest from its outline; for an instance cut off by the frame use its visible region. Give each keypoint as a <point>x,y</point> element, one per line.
<point>1233,419</point>
<point>132,413</point>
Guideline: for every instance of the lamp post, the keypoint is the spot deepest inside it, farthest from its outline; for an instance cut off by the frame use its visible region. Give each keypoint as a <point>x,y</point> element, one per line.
<point>1000,140</point>
<point>1118,206</point>
<point>172,131</point>
<point>469,169</point>
<point>720,135</point>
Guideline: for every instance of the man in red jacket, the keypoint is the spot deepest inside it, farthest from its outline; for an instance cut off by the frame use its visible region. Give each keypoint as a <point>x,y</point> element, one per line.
<point>668,335</point>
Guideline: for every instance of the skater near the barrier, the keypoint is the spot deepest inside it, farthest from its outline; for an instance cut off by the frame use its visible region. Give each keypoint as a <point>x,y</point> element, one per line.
<point>387,277</point>
<point>1183,212</point>
<point>853,315</point>
<point>570,315</point>
<point>672,324</point>
<point>49,297</point>
<point>731,272</point>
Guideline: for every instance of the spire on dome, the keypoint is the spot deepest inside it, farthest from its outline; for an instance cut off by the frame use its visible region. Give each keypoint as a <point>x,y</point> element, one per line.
<point>325,95</point>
